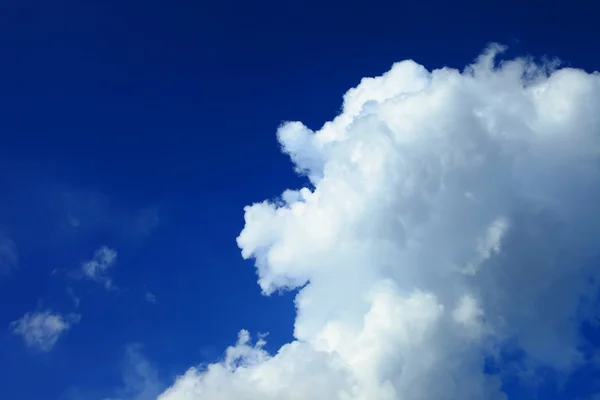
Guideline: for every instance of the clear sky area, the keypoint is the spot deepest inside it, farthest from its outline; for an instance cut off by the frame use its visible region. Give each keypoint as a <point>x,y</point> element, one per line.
<point>299,200</point>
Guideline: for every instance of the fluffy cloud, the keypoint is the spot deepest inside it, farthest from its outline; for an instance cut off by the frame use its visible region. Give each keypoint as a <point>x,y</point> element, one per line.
<point>8,254</point>
<point>43,329</point>
<point>451,214</point>
<point>96,269</point>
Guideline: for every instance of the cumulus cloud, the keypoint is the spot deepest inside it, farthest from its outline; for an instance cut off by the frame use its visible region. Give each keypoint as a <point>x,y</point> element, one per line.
<point>8,254</point>
<point>96,269</point>
<point>43,329</point>
<point>452,215</point>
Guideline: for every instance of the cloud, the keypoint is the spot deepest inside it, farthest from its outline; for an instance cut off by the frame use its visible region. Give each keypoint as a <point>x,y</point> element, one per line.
<point>452,216</point>
<point>9,258</point>
<point>140,378</point>
<point>71,293</point>
<point>96,269</point>
<point>150,297</point>
<point>43,329</point>
<point>72,221</point>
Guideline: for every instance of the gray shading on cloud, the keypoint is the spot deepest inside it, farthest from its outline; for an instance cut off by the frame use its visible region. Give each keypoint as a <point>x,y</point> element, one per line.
<point>452,215</point>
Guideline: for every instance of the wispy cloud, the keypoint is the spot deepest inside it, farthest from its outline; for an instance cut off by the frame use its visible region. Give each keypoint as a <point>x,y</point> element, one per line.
<point>73,296</point>
<point>43,329</point>
<point>96,269</point>
<point>140,380</point>
<point>72,221</point>
<point>90,211</point>
<point>150,297</point>
<point>9,258</point>
<point>140,377</point>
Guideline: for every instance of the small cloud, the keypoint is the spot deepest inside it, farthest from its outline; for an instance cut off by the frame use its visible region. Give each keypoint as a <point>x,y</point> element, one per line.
<point>43,329</point>
<point>73,296</point>
<point>73,221</point>
<point>150,298</point>
<point>8,254</point>
<point>96,268</point>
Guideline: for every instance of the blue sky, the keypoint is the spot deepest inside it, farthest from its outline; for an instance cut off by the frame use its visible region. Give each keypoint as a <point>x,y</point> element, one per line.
<point>147,127</point>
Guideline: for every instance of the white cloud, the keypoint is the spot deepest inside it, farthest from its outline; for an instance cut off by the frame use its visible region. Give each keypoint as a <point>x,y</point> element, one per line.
<point>9,258</point>
<point>452,213</point>
<point>43,329</point>
<point>96,269</point>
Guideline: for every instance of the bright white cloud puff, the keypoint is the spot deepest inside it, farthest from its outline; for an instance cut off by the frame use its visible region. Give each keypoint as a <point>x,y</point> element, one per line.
<point>452,213</point>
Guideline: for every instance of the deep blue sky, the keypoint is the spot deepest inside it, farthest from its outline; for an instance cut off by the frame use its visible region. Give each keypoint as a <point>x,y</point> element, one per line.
<point>113,111</point>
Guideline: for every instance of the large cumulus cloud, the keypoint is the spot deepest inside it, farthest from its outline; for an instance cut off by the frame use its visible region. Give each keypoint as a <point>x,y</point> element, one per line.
<point>451,214</point>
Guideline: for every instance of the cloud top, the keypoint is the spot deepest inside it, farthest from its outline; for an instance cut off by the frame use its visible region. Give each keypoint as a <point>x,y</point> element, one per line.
<point>452,216</point>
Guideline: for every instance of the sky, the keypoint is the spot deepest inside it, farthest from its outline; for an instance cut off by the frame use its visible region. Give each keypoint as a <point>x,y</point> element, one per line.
<point>299,200</point>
